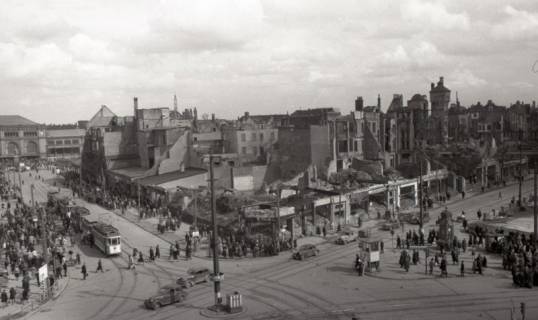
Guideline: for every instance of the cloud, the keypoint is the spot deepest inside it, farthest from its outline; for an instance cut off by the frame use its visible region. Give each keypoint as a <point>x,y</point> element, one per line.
<point>420,56</point>
<point>201,25</point>
<point>433,14</point>
<point>233,55</point>
<point>87,49</point>
<point>464,78</point>
<point>519,24</point>
<point>39,62</point>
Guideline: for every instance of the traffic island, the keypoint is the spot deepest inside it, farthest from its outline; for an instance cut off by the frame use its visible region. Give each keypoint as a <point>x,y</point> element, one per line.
<point>232,308</point>
<point>222,311</point>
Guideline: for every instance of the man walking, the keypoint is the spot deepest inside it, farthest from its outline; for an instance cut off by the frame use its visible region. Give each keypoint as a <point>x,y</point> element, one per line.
<point>99,266</point>
<point>3,298</point>
<point>151,254</point>
<point>12,294</point>
<point>157,252</point>
<point>462,269</point>
<point>84,271</point>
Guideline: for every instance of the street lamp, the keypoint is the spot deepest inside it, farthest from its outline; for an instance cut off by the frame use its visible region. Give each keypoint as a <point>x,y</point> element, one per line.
<point>217,276</point>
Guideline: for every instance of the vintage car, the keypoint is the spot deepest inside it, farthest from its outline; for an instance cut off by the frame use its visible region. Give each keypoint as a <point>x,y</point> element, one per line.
<point>194,276</point>
<point>346,237</point>
<point>305,251</point>
<point>169,294</point>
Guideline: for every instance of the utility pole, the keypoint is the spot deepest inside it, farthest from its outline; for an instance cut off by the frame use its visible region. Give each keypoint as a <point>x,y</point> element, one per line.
<point>195,219</point>
<point>520,204</point>
<point>138,196</point>
<point>20,184</point>
<point>44,240</point>
<point>32,194</point>
<point>421,211</point>
<point>535,200</point>
<point>216,272</point>
<point>277,242</point>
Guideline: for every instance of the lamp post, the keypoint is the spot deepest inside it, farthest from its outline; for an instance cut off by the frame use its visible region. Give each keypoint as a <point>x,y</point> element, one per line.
<point>216,272</point>
<point>520,204</point>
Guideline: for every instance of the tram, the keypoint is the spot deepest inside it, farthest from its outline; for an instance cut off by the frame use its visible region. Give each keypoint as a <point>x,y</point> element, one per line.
<point>105,237</point>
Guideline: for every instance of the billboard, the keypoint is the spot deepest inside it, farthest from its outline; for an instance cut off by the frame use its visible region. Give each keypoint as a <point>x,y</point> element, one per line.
<point>43,272</point>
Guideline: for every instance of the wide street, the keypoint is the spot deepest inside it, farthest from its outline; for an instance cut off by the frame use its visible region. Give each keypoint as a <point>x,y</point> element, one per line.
<point>322,287</point>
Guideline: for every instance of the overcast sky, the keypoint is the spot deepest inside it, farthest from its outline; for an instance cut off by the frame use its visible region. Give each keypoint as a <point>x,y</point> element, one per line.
<point>60,60</point>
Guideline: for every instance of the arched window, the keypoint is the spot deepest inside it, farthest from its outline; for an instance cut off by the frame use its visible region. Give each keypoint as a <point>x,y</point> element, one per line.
<point>13,149</point>
<point>31,147</point>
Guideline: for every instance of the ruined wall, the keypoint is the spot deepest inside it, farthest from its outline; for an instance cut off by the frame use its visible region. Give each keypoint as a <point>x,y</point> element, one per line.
<point>178,155</point>
<point>320,152</point>
<point>294,152</point>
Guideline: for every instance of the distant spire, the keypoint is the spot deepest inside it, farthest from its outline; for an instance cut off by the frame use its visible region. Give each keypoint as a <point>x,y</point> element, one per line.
<point>457,100</point>
<point>175,103</point>
<point>378,102</point>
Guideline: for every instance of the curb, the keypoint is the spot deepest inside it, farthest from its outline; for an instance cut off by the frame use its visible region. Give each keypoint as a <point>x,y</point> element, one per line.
<point>22,315</point>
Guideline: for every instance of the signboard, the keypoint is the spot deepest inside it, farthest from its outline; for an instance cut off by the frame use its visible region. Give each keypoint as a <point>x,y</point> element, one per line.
<point>244,183</point>
<point>286,211</point>
<point>374,256</point>
<point>43,273</point>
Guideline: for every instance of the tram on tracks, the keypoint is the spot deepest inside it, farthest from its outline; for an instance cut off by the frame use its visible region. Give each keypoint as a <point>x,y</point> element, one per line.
<point>105,236</point>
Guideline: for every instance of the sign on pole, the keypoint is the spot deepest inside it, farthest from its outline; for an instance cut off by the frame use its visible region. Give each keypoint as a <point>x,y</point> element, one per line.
<point>43,272</point>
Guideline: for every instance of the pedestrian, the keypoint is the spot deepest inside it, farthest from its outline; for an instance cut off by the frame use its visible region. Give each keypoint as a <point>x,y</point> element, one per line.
<point>500,195</point>
<point>462,269</point>
<point>3,298</point>
<point>382,246</point>
<point>171,252</point>
<point>151,254</point>
<point>131,262</point>
<point>78,258</point>
<point>157,252</point>
<point>12,295</point>
<point>84,271</point>
<point>64,265</point>
<point>99,266</point>
<point>324,231</point>
<point>444,268</point>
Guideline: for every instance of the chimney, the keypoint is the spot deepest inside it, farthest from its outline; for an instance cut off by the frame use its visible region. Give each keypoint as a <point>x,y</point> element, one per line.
<point>212,117</point>
<point>533,104</point>
<point>359,104</point>
<point>378,102</point>
<point>135,106</point>
<point>441,80</point>
<point>247,114</point>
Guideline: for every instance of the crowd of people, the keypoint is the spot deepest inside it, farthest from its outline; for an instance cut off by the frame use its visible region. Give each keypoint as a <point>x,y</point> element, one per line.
<point>230,243</point>
<point>22,230</point>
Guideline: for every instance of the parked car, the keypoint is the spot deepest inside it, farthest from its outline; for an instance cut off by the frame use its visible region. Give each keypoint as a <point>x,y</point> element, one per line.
<point>169,294</point>
<point>305,251</point>
<point>194,276</point>
<point>346,237</point>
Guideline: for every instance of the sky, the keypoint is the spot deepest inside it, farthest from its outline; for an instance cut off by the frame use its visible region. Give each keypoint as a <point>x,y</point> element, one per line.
<point>61,60</point>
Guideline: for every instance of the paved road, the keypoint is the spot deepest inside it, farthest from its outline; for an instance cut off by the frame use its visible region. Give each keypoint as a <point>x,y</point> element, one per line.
<point>323,287</point>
